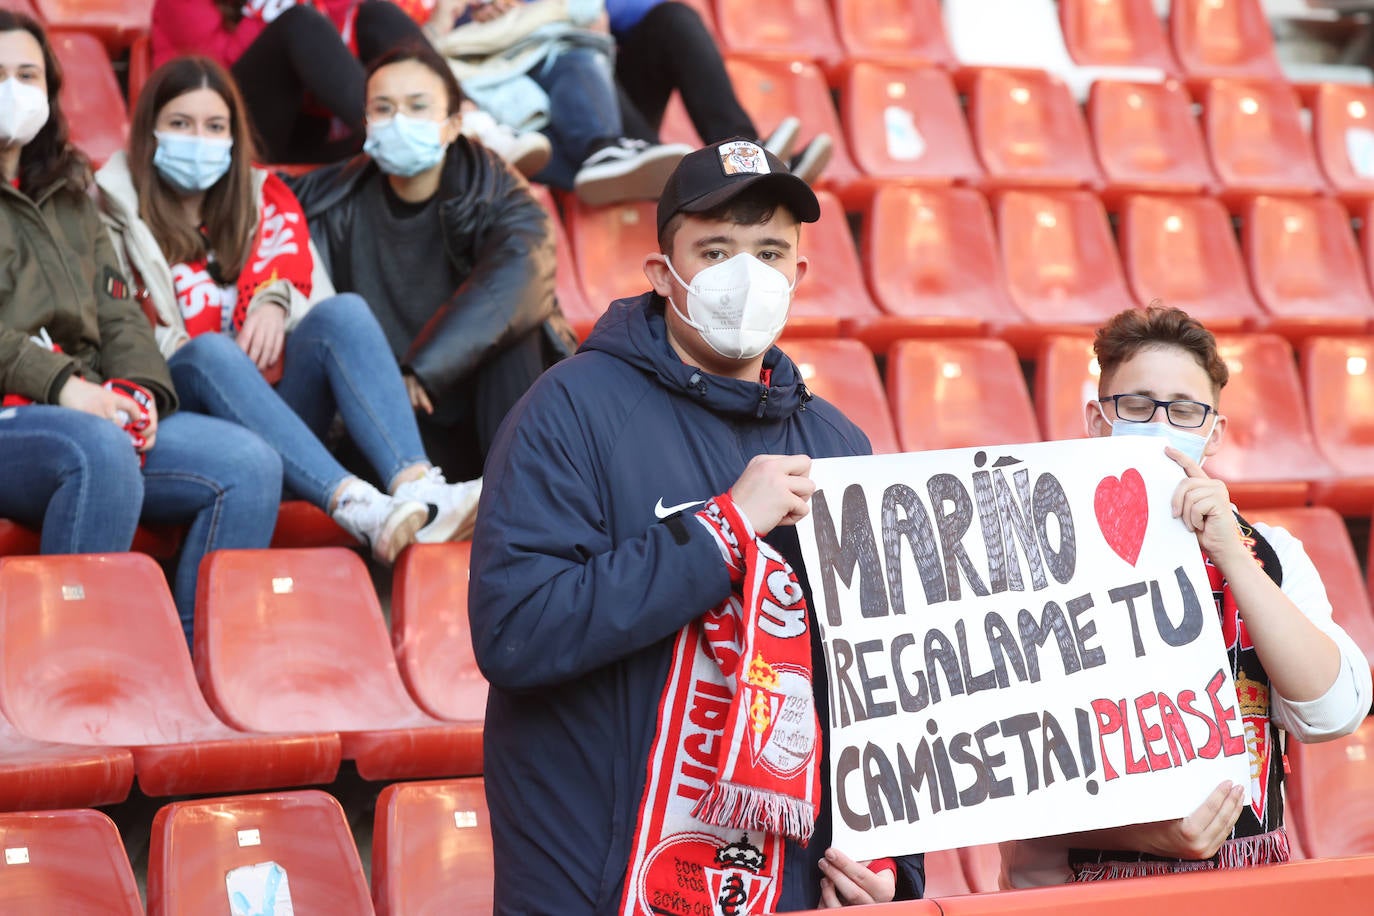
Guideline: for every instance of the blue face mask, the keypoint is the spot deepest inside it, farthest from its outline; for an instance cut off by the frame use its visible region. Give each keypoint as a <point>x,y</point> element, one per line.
<point>405,146</point>
<point>191,164</point>
<point>1189,443</point>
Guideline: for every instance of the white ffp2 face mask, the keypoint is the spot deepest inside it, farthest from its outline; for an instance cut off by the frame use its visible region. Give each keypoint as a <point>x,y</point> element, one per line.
<point>738,306</point>
<point>23,112</point>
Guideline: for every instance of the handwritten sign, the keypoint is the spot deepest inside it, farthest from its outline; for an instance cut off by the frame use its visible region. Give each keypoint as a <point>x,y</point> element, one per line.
<point>1021,641</point>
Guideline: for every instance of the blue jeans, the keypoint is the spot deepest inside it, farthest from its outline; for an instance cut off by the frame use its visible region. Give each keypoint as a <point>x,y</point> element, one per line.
<point>77,477</point>
<point>584,111</point>
<point>336,359</point>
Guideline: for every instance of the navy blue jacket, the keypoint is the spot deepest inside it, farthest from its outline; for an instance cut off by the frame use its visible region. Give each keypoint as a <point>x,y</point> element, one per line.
<point>577,591</point>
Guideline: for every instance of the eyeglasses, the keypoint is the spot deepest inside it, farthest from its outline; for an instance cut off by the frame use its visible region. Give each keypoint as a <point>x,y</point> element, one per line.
<point>1137,408</point>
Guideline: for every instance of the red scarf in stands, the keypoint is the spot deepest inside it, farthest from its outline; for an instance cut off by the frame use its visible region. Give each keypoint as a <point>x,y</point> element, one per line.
<point>734,768</point>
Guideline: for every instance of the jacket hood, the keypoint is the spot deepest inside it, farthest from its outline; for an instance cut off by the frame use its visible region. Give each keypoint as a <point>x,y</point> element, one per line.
<point>634,331</point>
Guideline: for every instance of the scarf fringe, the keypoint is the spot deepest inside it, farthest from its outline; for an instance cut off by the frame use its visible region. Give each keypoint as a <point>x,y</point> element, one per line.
<point>742,807</point>
<point>1242,852</point>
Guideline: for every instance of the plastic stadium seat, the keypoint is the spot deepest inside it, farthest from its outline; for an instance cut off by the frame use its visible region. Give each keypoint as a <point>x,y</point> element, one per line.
<point>431,849</point>
<point>1269,457</point>
<point>289,639</point>
<point>1028,131</point>
<point>567,287</point>
<point>430,633</point>
<point>1337,378</point>
<point>945,874</point>
<point>92,652</point>
<point>773,89</point>
<point>303,524</point>
<point>19,6</point>
<point>68,862</point>
<point>160,541</point>
<point>115,22</point>
<point>1326,540</point>
<point>790,29</point>
<point>1062,265</point>
<point>17,539</point>
<point>894,30</point>
<point>1116,33</point>
<point>904,124</point>
<point>832,295</point>
<point>1256,140</point>
<point>843,372</point>
<point>195,845</point>
<point>1223,38</point>
<point>1332,787</point>
<point>1147,139</point>
<point>44,774</point>
<point>609,244</point>
<point>91,98</point>
<point>931,257</point>
<point>1183,251</point>
<point>982,867</point>
<point>1343,132</point>
<point>1066,374</point>
<point>958,392</point>
<point>1305,266</point>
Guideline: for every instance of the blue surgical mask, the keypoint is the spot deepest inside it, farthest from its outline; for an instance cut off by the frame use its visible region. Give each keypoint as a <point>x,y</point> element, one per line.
<point>1189,443</point>
<point>405,146</point>
<point>190,163</point>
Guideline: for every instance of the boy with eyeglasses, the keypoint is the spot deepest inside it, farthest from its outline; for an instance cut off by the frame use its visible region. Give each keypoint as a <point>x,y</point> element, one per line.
<point>1296,671</point>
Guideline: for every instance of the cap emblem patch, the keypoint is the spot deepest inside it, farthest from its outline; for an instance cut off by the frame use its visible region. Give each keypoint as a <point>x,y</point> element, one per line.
<point>740,157</point>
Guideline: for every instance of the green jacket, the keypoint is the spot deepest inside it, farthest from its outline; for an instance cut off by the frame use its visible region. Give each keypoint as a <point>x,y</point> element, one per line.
<point>59,273</point>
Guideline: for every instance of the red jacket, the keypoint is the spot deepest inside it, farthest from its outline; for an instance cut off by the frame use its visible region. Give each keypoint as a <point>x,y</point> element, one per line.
<point>196,27</point>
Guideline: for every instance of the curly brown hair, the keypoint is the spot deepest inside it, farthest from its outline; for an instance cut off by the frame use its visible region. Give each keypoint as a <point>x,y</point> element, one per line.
<point>49,159</point>
<point>1156,326</point>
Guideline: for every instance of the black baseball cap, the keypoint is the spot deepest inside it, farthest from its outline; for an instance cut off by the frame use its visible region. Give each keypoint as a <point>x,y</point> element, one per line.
<point>714,174</point>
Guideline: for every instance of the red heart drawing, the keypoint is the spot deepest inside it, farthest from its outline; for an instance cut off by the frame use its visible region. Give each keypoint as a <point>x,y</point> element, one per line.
<point>1122,513</point>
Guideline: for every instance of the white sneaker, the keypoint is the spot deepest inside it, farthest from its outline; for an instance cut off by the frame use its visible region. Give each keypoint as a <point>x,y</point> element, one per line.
<point>782,142</point>
<point>527,152</point>
<point>456,505</point>
<point>384,523</point>
<point>627,170</point>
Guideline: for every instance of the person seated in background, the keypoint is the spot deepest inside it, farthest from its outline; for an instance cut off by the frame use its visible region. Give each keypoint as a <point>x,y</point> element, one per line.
<point>89,427</point>
<point>546,64</point>
<point>299,66</point>
<point>1295,669</point>
<point>222,250</point>
<point>662,46</point>
<point>451,252</point>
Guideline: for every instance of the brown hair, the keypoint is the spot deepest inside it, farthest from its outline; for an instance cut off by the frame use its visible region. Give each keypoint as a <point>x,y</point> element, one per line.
<point>422,53</point>
<point>1155,327</point>
<point>753,206</point>
<point>49,158</point>
<point>230,208</point>
<point>230,12</point>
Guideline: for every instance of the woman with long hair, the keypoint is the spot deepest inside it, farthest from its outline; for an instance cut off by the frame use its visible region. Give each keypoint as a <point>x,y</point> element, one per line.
<point>221,251</point>
<point>89,427</point>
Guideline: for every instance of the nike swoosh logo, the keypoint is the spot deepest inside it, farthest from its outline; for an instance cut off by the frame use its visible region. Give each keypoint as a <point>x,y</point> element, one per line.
<point>664,511</point>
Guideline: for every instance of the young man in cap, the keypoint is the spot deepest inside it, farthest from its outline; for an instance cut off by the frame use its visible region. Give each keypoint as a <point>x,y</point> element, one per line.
<point>652,739</point>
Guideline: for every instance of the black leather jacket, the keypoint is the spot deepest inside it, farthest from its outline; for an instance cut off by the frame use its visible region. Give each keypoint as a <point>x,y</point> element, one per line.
<point>498,239</point>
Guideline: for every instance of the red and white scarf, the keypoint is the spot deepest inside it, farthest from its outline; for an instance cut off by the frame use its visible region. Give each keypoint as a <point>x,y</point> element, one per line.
<point>734,770</point>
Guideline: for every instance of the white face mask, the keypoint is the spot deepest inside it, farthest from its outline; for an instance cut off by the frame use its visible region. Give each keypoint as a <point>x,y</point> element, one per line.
<point>738,306</point>
<point>23,112</point>
<point>1189,443</point>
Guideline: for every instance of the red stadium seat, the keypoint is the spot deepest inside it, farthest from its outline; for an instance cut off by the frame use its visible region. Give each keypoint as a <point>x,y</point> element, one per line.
<point>160,541</point>
<point>115,22</point>
<point>196,845</point>
<point>567,286</point>
<point>1183,251</point>
<point>1332,788</point>
<point>982,867</point>
<point>91,98</point>
<point>790,29</point>
<point>1147,139</point>
<point>1066,374</point>
<point>931,256</point>
<point>945,874</point>
<point>904,124</point>
<point>1062,265</point>
<point>1337,378</point>
<point>1116,33</point>
<point>430,633</point>
<point>303,524</point>
<point>19,6</point>
<point>288,639</point>
<point>832,295</point>
<point>901,30</point>
<point>957,393</point>
<point>609,245</point>
<point>1326,540</point>
<point>1343,132</point>
<point>77,666</point>
<point>843,372</point>
<point>431,849</point>
<point>1256,140</point>
<point>1223,38</point>
<point>68,862</point>
<point>1269,457</point>
<point>1305,266</point>
<point>1029,132</point>
<point>42,774</point>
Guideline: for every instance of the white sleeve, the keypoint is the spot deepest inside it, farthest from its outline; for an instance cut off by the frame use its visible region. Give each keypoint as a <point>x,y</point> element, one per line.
<point>1343,707</point>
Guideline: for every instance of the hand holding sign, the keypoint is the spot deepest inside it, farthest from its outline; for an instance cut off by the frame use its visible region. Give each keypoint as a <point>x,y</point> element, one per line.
<point>774,490</point>
<point>1204,506</point>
